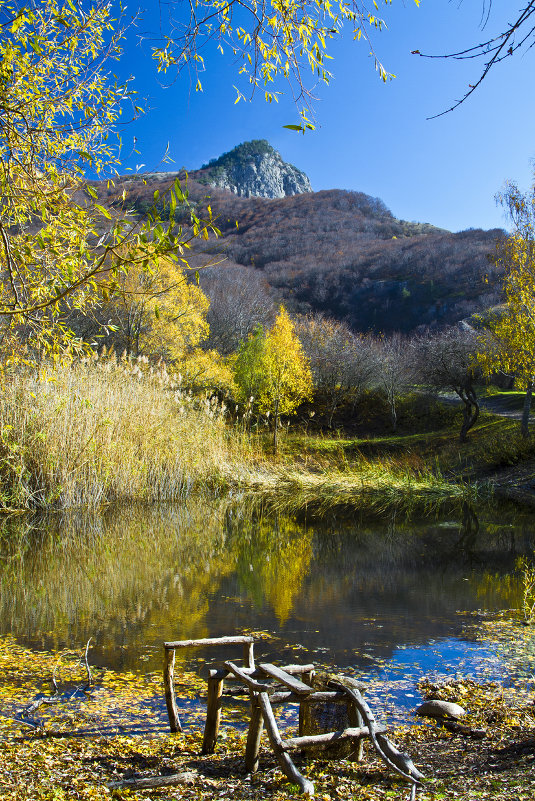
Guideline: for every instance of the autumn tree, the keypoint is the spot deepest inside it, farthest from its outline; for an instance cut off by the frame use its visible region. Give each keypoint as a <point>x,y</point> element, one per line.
<point>59,109</point>
<point>273,365</point>
<point>156,312</point>
<point>507,342</point>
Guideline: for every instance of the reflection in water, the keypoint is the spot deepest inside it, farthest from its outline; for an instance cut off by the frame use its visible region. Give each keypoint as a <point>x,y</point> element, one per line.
<point>344,589</point>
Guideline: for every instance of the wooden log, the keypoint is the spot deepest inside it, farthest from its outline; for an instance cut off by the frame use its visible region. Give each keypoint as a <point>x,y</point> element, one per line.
<point>284,760</point>
<point>213,715</point>
<point>317,697</point>
<point>466,731</point>
<point>401,760</point>
<point>247,680</point>
<point>327,739</point>
<point>185,777</point>
<point>285,678</point>
<point>355,719</point>
<point>248,655</point>
<point>308,678</point>
<point>208,641</point>
<point>170,700</point>
<point>254,736</point>
<point>369,720</point>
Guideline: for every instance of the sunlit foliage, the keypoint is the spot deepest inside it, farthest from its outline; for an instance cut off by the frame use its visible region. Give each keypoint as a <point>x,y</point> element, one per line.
<point>278,40</point>
<point>273,371</point>
<point>510,347</point>
<point>59,109</point>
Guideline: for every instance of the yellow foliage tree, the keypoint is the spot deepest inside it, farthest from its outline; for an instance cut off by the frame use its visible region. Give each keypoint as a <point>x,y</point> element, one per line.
<point>59,108</point>
<point>158,311</point>
<point>508,344</point>
<point>286,375</point>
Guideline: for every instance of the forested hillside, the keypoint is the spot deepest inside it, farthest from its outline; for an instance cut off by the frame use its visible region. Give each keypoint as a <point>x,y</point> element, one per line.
<point>341,253</point>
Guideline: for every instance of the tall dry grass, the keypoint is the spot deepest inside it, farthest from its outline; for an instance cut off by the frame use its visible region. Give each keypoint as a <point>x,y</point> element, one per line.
<point>99,431</point>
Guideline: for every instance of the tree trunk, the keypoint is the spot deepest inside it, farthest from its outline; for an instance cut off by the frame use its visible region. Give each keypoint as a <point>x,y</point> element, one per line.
<point>393,412</point>
<point>276,427</point>
<point>470,411</point>
<point>524,426</point>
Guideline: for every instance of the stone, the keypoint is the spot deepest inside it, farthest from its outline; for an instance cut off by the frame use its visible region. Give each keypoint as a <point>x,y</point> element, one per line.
<point>440,709</point>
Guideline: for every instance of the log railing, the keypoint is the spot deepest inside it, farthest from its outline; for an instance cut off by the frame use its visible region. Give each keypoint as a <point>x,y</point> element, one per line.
<point>268,685</point>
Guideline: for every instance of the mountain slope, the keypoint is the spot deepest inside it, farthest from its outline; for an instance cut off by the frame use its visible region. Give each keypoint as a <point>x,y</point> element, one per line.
<point>341,253</point>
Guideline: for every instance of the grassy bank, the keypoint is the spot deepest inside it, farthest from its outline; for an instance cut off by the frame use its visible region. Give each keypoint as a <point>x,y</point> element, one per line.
<point>102,431</point>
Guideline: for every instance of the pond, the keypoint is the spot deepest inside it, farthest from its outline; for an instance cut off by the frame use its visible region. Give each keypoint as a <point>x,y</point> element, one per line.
<point>383,596</point>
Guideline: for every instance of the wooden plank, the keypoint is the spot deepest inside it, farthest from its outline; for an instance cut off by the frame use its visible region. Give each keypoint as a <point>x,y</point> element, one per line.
<point>327,739</point>
<point>242,640</point>
<point>247,680</point>
<point>170,700</point>
<point>296,670</point>
<point>256,673</point>
<point>284,760</point>
<point>285,678</point>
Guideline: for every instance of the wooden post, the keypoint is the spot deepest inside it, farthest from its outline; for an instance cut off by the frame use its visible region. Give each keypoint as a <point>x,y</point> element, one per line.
<point>168,682</point>
<point>304,709</point>
<point>254,736</point>
<point>213,715</point>
<point>248,655</point>
<point>355,720</point>
<point>285,762</point>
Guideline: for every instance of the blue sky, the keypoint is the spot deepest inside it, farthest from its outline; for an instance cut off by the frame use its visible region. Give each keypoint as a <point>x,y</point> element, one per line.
<point>370,137</point>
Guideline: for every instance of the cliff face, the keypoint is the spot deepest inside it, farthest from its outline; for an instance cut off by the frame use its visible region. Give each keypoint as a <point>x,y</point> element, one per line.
<point>254,169</point>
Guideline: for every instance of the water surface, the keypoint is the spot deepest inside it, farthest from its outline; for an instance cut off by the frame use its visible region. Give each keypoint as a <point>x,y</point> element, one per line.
<point>381,594</point>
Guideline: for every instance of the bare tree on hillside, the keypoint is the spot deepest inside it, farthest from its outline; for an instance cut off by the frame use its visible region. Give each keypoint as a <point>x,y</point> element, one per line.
<point>240,300</point>
<point>447,361</point>
<point>342,363</point>
<point>395,371</point>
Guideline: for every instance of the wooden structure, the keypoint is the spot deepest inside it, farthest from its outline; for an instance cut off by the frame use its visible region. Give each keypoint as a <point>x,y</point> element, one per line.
<point>267,686</point>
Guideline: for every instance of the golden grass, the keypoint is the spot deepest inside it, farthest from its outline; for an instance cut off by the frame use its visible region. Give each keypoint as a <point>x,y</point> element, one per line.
<point>102,431</point>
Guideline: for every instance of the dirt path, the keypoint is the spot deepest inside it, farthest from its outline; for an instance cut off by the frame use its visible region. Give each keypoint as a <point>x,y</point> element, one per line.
<point>503,405</point>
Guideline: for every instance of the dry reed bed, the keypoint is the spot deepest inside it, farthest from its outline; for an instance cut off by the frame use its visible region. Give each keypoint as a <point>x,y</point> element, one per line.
<point>90,433</point>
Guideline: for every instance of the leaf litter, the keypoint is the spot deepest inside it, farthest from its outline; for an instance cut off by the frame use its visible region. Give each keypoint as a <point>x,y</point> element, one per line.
<point>117,729</point>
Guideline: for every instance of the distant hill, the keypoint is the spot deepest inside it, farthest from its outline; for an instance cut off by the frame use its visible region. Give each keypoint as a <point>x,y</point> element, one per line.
<point>341,253</point>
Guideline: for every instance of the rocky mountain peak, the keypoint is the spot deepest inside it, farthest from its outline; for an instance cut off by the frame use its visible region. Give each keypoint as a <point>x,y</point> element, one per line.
<point>254,169</point>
